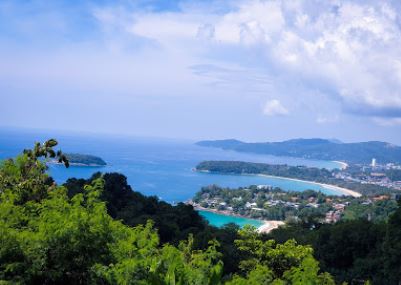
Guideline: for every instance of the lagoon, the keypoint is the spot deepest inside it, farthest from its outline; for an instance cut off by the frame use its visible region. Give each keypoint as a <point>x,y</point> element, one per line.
<point>219,220</point>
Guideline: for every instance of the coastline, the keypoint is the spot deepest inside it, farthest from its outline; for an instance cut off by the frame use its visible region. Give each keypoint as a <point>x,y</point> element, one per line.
<point>224,212</point>
<point>328,186</point>
<point>339,189</point>
<point>268,225</point>
<point>344,165</point>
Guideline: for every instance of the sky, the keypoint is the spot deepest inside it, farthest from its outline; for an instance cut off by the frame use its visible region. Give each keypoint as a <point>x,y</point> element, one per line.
<point>251,70</point>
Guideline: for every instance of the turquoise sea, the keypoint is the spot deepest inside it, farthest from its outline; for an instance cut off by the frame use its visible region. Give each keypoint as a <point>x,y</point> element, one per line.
<point>160,167</point>
<point>219,220</point>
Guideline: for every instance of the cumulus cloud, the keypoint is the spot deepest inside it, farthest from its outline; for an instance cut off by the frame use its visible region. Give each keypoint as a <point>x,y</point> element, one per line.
<point>335,62</point>
<point>349,49</point>
<point>274,108</point>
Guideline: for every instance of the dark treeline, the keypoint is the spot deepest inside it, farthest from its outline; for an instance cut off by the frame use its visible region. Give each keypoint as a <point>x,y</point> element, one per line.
<point>353,251</point>
<point>173,223</point>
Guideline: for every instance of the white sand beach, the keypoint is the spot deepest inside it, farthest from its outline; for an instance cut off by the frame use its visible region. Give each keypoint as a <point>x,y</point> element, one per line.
<point>341,190</point>
<point>344,165</point>
<point>345,191</point>
<point>269,226</point>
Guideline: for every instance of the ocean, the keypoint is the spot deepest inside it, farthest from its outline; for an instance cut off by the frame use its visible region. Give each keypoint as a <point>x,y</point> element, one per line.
<point>219,220</point>
<point>159,167</point>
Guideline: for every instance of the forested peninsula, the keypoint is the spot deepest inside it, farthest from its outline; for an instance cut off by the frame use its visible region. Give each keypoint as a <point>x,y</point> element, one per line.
<point>313,174</point>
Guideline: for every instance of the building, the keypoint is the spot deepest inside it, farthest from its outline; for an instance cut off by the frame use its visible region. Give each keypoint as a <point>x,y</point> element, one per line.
<point>263,187</point>
<point>373,162</point>
<point>332,216</point>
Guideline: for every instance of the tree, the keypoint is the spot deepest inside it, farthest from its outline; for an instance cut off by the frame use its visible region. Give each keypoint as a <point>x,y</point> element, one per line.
<point>174,223</point>
<point>269,263</point>
<point>392,248</point>
<point>56,239</point>
<point>26,175</point>
<point>53,235</point>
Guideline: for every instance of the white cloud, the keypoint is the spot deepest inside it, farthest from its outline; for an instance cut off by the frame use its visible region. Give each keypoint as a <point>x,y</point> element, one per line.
<point>296,51</point>
<point>274,108</point>
<point>349,49</point>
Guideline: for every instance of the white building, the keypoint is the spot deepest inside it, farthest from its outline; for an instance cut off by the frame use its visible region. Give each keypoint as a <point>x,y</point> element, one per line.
<point>373,162</point>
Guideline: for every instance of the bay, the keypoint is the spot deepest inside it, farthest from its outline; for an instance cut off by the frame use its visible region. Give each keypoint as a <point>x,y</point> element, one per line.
<point>219,220</point>
<point>153,166</point>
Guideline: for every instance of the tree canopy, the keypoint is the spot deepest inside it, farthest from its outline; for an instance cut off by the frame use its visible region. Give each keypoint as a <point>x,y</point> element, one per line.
<point>82,233</point>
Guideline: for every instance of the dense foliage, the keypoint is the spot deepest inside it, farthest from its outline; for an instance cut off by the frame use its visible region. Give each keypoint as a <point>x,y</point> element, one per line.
<point>376,211</point>
<point>268,262</point>
<point>353,250</point>
<point>49,237</point>
<point>361,152</point>
<point>174,223</point>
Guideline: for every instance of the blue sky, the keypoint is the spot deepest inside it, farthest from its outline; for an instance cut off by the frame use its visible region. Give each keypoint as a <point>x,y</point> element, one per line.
<point>253,70</point>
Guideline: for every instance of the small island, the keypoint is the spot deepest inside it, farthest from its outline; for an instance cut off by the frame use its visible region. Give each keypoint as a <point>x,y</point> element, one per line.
<point>78,159</point>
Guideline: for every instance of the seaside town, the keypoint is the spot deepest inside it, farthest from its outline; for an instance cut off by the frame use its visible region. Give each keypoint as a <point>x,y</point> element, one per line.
<point>267,203</point>
<point>385,175</point>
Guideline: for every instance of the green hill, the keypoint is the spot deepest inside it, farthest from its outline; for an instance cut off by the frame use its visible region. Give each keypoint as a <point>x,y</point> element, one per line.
<point>360,152</point>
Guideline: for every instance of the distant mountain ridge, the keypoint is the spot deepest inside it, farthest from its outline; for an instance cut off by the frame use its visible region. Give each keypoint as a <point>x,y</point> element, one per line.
<point>316,148</point>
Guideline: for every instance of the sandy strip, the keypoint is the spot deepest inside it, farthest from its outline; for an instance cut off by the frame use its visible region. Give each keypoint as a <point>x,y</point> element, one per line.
<point>344,165</point>
<point>344,191</point>
<point>339,189</point>
<point>269,226</point>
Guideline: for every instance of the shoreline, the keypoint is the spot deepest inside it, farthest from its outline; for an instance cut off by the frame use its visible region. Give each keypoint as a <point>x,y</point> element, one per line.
<point>266,227</point>
<point>344,165</point>
<point>345,191</point>
<point>342,190</point>
<point>224,212</point>
<point>269,226</point>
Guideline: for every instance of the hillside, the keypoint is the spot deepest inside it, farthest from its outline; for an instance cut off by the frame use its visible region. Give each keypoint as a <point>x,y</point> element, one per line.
<point>360,152</point>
